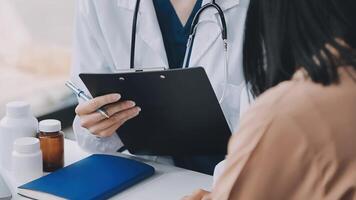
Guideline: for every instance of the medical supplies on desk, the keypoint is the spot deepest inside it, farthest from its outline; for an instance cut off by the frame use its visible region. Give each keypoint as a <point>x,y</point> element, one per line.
<point>18,122</point>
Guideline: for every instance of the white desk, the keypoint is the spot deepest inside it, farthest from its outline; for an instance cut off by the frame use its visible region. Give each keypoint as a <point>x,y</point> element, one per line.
<point>168,182</point>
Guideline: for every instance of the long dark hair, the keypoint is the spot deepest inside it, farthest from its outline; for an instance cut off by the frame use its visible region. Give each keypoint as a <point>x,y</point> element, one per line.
<point>284,35</point>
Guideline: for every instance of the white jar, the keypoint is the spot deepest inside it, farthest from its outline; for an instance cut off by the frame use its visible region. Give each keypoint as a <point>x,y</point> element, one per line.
<point>26,160</point>
<point>18,122</point>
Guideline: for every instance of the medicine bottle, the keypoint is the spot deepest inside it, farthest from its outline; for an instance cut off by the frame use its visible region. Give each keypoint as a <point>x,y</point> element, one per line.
<point>18,122</point>
<point>26,160</point>
<point>52,144</point>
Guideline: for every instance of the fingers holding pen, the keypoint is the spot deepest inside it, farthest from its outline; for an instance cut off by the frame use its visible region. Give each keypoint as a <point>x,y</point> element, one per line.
<point>118,112</point>
<point>118,107</point>
<point>95,117</point>
<point>93,105</point>
<point>118,118</point>
<point>98,124</point>
<point>107,128</point>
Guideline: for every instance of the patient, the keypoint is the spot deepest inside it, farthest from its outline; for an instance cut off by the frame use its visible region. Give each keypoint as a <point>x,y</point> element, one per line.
<point>298,141</point>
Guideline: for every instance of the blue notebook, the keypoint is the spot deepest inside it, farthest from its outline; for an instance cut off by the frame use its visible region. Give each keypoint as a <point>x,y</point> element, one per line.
<point>95,177</point>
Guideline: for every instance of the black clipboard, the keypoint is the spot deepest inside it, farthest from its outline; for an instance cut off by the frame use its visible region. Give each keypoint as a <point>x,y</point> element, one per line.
<point>180,111</point>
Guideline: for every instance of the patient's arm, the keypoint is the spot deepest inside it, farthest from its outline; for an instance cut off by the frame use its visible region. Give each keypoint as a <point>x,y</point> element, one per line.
<point>197,195</point>
<point>256,123</point>
<point>253,126</point>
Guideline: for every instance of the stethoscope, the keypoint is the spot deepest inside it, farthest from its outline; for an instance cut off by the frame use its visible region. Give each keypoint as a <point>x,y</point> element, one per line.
<point>193,31</point>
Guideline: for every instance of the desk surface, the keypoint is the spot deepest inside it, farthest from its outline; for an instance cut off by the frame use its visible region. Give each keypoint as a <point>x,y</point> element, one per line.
<point>168,182</point>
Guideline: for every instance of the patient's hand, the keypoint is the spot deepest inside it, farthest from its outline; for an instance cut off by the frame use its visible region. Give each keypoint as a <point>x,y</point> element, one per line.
<point>198,195</point>
<point>119,112</point>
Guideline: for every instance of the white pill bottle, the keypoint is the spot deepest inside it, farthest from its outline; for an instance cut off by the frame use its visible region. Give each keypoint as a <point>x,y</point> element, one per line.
<point>19,122</point>
<point>26,160</point>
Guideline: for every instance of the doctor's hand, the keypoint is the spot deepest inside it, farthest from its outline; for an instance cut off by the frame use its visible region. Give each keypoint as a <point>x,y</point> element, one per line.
<point>96,123</point>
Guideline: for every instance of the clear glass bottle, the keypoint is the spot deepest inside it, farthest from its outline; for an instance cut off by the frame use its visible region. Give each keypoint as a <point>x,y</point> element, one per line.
<point>52,144</point>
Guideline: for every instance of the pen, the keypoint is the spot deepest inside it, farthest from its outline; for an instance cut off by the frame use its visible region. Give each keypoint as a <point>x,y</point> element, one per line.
<point>80,93</point>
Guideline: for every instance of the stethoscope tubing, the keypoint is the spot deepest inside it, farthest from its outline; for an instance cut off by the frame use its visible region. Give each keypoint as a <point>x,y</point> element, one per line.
<point>133,35</point>
<point>195,22</point>
<point>193,30</point>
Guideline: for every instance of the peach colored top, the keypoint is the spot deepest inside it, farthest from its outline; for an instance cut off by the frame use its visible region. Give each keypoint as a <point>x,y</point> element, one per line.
<point>298,141</point>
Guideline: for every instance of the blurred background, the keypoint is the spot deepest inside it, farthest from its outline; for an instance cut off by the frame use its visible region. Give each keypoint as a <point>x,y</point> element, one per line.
<point>35,56</point>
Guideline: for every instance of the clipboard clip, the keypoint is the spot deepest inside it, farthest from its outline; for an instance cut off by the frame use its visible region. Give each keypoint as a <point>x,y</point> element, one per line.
<point>153,69</point>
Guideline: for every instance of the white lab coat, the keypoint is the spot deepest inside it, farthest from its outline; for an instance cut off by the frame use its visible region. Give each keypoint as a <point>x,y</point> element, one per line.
<point>102,45</point>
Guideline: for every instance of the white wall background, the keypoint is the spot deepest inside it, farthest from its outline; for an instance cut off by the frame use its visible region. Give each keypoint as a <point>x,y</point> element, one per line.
<point>35,51</point>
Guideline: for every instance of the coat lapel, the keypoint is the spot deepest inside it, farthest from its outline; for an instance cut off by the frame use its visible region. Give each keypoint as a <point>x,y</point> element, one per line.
<point>147,26</point>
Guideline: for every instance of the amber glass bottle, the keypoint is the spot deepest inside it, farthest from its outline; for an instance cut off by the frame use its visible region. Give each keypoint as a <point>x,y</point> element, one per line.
<point>52,144</point>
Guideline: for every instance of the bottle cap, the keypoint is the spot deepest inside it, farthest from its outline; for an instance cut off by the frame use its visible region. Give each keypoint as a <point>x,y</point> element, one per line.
<point>27,145</point>
<point>18,109</point>
<point>50,126</point>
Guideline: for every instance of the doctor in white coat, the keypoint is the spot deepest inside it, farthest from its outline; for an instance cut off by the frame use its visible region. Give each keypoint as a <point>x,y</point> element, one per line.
<point>102,45</point>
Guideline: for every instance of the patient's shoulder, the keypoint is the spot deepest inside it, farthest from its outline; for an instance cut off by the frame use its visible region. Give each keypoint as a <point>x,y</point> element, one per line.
<point>287,108</point>
<point>294,98</point>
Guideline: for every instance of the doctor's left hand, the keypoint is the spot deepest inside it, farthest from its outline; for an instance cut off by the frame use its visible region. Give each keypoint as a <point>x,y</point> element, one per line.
<point>119,112</point>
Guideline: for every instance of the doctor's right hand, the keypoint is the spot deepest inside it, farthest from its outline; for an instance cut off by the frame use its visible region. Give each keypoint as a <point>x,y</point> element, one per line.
<point>96,123</point>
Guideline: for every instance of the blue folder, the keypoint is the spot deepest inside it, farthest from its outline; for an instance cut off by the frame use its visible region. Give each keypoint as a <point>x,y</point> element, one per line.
<point>95,177</point>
